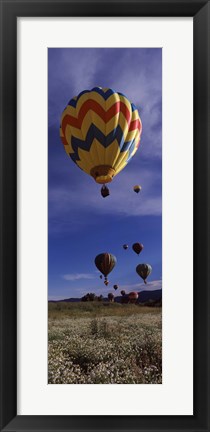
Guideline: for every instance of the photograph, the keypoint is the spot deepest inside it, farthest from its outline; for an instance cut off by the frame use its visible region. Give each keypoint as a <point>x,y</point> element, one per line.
<point>105,215</point>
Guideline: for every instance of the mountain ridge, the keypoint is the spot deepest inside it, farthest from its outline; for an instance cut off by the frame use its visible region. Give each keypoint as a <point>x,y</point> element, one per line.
<point>144,296</point>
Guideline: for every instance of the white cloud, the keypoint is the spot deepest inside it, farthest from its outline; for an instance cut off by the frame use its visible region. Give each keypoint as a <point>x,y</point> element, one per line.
<point>73,73</point>
<point>139,83</point>
<point>78,276</point>
<point>138,76</point>
<point>66,202</point>
<point>150,286</point>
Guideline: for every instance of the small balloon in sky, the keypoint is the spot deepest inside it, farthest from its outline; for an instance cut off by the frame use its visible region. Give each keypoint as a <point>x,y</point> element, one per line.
<point>137,188</point>
<point>105,262</point>
<point>137,248</point>
<point>144,270</point>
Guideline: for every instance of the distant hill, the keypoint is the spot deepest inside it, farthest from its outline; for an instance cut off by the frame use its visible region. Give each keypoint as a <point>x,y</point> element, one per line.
<point>71,299</point>
<point>144,296</point>
<point>150,295</point>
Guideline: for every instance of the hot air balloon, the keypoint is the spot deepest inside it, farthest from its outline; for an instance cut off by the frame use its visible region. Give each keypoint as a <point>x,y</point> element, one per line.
<point>125,246</point>
<point>144,271</point>
<point>101,276</point>
<point>115,287</point>
<point>106,281</point>
<point>105,263</point>
<point>132,297</point>
<point>100,130</point>
<point>137,188</point>
<point>122,292</point>
<point>111,297</point>
<point>137,247</point>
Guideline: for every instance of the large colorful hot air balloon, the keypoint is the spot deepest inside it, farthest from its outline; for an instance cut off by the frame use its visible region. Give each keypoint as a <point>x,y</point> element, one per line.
<point>105,263</point>
<point>144,271</point>
<point>101,131</point>
<point>137,247</point>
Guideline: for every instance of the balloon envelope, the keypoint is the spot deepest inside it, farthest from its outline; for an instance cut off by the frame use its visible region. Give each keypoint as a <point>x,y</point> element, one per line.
<point>100,130</point>
<point>137,247</point>
<point>133,295</point>
<point>144,270</point>
<point>105,263</point>
<point>137,188</point>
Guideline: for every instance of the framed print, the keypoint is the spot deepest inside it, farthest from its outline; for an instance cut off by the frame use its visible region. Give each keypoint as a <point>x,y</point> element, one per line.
<point>104,250</point>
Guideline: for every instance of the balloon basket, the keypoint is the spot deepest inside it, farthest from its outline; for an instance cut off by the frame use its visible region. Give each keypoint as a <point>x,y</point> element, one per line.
<point>105,191</point>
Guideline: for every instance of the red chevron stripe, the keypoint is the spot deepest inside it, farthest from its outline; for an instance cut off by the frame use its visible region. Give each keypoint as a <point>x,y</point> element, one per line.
<point>94,106</point>
<point>64,141</point>
<point>135,124</point>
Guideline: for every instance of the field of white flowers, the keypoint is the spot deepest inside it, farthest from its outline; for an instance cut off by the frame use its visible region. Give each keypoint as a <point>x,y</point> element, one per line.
<point>115,349</point>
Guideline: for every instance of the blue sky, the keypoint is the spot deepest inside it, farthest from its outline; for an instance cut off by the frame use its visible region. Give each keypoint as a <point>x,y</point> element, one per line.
<point>82,224</point>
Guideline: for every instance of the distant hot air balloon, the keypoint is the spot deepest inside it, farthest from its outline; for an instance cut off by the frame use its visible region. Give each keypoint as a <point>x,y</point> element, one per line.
<point>122,292</point>
<point>101,276</point>
<point>133,296</point>
<point>137,247</point>
<point>106,281</point>
<point>144,271</point>
<point>137,188</point>
<point>100,130</point>
<point>111,297</point>
<point>125,246</point>
<point>115,287</point>
<point>105,263</point>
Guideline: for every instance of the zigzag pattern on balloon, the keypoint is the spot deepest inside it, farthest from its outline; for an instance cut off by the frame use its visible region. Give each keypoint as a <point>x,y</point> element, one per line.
<point>100,118</point>
<point>106,116</point>
<point>104,92</point>
<point>89,108</point>
<point>93,133</point>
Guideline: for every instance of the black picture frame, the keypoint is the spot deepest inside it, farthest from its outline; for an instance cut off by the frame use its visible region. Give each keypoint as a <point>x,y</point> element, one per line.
<point>10,10</point>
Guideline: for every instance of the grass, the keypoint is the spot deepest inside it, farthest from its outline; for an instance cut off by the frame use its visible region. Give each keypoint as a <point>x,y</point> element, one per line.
<point>62,310</point>
<point>94,343</point>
